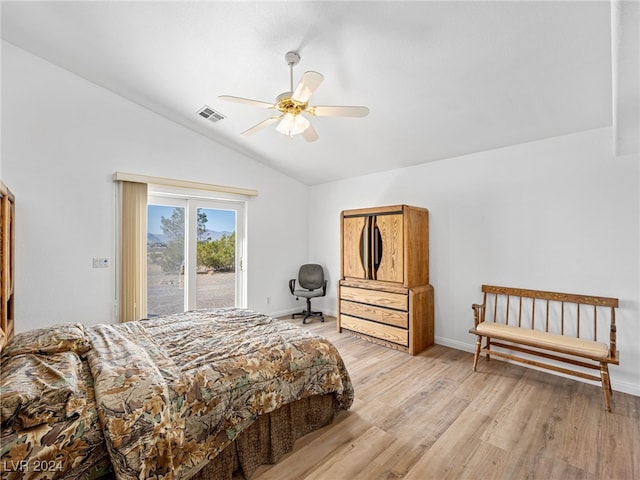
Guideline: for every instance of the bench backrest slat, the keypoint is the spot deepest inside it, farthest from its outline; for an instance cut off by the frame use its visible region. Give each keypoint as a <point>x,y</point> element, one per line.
<point>520,312</point>
<point>612,332</point>
<point>508,298</point>
<point>546,327</point>
<point>495,306</point>
<point>533,314</point>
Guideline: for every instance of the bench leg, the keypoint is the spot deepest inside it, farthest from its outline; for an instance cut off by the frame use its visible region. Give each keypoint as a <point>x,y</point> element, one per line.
<point>606,385</point>
<point>475,357</point>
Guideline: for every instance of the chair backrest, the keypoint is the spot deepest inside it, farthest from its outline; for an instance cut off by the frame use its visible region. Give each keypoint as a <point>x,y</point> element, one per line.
<point>311,276</point>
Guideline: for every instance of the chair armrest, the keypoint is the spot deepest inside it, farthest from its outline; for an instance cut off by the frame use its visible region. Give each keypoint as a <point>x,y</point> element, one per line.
<point>292,285</point>
<point>324,288</point>
<point>478,313</point>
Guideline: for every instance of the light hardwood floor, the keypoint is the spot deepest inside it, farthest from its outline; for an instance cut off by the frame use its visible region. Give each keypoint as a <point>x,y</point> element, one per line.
<point>430,417</point>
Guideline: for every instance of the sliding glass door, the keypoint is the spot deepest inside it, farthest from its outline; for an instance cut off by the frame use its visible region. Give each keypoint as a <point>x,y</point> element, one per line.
<point>216,264</point>
<point>195,252</point>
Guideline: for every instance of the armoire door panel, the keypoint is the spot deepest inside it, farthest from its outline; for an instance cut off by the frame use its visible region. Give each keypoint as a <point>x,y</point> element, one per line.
<point>353,264</point>
<point>391,267</point>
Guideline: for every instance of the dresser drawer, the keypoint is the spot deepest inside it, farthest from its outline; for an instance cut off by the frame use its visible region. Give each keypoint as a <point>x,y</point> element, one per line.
<point>373,312</point>
<point>398,301</point>
<point>373,329</point>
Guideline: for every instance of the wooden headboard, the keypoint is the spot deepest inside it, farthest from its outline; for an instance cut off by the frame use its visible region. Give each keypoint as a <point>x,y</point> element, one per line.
<point>7,237</point>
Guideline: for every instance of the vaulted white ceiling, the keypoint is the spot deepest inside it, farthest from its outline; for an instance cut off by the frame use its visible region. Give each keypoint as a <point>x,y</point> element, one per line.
<point>441,78</point>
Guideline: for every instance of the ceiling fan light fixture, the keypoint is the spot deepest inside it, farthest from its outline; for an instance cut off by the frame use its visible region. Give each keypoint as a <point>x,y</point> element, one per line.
<point>291,125</point>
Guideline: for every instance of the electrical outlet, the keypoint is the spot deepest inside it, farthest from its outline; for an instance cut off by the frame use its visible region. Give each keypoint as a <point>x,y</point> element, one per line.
<point>100,263</point>
<point>268,300</point>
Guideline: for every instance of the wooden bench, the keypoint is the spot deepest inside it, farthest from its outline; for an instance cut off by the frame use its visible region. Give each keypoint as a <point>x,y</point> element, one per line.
<point>579,330</point>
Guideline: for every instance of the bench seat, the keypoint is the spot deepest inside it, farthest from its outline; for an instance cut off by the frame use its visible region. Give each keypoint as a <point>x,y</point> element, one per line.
<point>537,338</point>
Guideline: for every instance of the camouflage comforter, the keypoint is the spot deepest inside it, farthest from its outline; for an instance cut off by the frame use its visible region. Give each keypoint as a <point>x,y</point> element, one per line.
<point>172,392</point>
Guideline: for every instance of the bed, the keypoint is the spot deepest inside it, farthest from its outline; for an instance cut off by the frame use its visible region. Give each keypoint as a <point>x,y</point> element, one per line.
<point>204,394</point>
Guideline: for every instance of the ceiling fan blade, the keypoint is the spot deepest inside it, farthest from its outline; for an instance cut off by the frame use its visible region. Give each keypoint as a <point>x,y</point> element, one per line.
<point>309,82</point>
<point>328,111</point>
<point>310,134</point>
<point>260,126</point>
<point>246,101</point>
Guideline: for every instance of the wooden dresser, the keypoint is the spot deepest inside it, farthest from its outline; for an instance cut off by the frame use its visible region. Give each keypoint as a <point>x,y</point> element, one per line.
<point>384,293</point>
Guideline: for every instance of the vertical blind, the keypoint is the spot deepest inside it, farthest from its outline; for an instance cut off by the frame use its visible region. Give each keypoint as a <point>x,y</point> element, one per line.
<point>133,251</point>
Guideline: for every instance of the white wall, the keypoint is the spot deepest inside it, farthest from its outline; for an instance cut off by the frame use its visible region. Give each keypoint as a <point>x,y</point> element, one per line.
<point>63,138</point>
<point>560,214</point>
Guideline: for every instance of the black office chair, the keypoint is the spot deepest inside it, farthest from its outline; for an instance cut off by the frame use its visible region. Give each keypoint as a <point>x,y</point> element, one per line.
<point>312,283</point>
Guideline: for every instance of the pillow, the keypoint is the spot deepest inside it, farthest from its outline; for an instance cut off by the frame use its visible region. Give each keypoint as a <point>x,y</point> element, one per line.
<point>37,389</point>
<point>68,337</point>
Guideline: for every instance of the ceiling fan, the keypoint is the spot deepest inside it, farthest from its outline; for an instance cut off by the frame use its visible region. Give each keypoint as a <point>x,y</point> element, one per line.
<point>294,103</point>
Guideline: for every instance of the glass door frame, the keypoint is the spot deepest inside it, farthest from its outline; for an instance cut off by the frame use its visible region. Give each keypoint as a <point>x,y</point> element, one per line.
<point>191,224</point>
<point>192,201</point>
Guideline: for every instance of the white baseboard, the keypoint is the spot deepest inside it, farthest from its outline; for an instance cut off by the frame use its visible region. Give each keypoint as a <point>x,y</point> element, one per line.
<point>282,313</point>
<point>445,342</point>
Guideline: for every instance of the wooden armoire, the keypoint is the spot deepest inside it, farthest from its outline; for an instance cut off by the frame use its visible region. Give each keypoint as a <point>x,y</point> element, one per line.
<point>384,293</point>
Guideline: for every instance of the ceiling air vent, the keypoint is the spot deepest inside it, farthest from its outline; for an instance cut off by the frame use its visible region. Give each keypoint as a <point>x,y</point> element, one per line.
<point>210,114</point>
